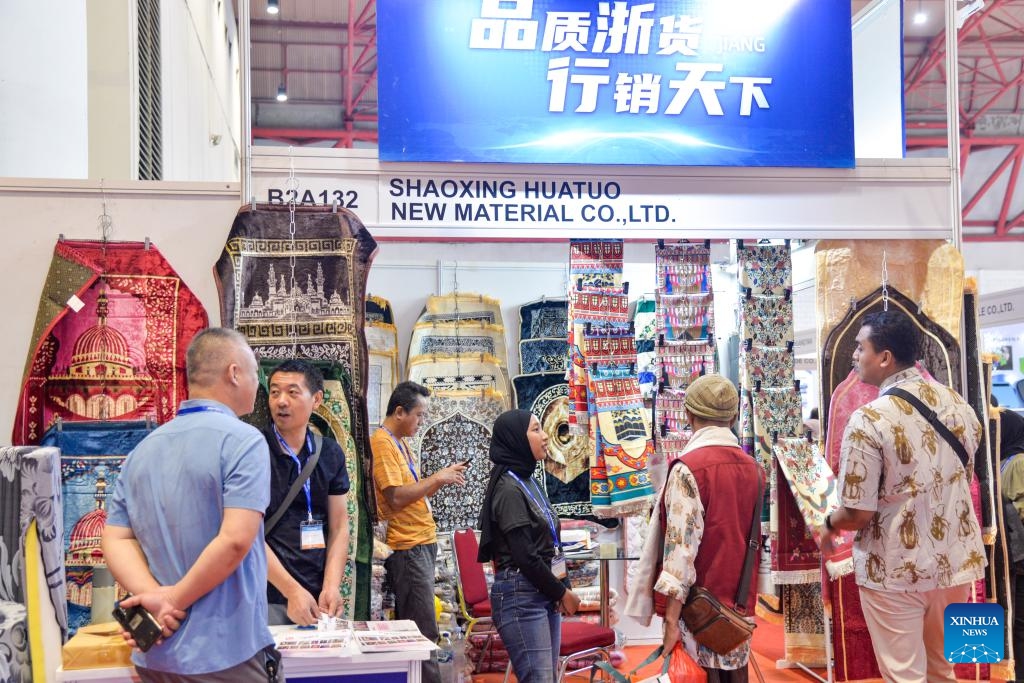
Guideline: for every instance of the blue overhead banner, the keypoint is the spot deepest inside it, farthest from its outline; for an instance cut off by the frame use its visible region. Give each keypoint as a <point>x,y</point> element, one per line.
<point>668,82</point>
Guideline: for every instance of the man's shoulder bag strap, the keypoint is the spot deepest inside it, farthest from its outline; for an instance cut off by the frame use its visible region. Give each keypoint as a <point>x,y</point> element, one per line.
<point>934,421</point>
<point>753,544</point>
<point>307,471</point>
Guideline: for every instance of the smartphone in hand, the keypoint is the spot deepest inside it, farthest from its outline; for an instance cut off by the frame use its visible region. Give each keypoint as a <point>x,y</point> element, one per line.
<point>142,625</point>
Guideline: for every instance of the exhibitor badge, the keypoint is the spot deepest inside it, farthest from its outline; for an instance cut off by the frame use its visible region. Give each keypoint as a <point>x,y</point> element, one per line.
<point>974,633</point>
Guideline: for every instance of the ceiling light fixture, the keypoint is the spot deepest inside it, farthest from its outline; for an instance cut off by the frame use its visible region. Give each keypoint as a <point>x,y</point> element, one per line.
<point>920,17</point>
<point>282,94</point>
<point>272,7</point>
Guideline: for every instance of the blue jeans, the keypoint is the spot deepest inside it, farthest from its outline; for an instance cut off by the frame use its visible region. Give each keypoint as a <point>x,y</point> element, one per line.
<point>529,624</point>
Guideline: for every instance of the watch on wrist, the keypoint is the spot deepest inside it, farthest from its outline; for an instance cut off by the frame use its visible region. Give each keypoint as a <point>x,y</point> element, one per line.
<point>828,523</point>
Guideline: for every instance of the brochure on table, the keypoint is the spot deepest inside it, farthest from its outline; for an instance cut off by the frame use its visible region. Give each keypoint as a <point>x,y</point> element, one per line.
<point>343,638</point>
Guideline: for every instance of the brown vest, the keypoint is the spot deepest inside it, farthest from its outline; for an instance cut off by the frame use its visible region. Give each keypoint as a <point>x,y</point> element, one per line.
<point>727,482</point>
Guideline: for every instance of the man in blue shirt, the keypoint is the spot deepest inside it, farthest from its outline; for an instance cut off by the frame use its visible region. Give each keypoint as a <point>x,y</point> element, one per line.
<point>184,529</point>
<point>307,543</point>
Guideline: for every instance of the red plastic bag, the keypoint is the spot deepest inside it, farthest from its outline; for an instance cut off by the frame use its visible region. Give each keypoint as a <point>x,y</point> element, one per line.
<point>682,668</point>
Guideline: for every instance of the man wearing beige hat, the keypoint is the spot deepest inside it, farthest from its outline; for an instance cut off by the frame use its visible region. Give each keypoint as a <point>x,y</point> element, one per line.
<point>712,491</point>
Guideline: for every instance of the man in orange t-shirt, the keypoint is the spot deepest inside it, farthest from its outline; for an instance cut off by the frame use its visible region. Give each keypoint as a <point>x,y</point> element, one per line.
<point>402,503</point>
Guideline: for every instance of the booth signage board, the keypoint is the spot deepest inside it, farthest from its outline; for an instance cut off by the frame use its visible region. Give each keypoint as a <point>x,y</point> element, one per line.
<point>1001,308</point>
<point>885,200</point>
<point>903,199</point>
<point>665,82</point>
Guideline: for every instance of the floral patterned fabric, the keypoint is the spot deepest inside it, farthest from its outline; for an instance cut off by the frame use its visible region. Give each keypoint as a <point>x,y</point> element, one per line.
<point>769,320</point>
<point>765,269</point>
<point>459,428</point>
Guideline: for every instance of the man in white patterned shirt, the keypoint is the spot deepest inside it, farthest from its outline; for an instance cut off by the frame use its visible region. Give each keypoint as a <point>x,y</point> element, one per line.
<point>906,493</point>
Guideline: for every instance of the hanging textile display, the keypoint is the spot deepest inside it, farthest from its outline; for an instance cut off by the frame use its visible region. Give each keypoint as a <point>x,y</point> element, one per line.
<point>603,383</point>
<point>684,339</point>
<point>461,307</point>
<point>382,353</point>
<point>976,393</point>
<point>91,455</point>
<point>458,428</point>
<point>379,311</point>
<point>565,474</point>
<point>925,280</point>
<point>121,352</point>
<point>543,319</point>
<point>460,337</point>
<point>543,355</point>
<point>645,325</point>
<point>333,419</point>
<point>292,279</point>
<point>456,373</point>
<point>30,500</point>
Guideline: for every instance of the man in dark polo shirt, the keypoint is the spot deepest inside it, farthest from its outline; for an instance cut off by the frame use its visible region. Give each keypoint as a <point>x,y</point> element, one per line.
<point>307,546</point>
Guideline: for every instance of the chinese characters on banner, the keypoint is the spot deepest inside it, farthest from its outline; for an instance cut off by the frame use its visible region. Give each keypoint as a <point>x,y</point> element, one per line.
<point>686,82</point>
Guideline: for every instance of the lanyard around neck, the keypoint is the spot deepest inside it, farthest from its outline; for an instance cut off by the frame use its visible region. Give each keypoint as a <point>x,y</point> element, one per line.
<point>198,409</point>
<point>546,510</point>
<point>298,465</point>
<point>400,445</point>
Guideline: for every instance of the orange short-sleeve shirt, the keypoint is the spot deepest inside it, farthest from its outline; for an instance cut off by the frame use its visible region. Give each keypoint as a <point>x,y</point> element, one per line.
<point>413,525</point>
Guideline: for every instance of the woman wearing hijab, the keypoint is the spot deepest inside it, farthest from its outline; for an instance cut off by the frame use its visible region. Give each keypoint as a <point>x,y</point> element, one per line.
<point>1011,466</point>
<point>520,533</point>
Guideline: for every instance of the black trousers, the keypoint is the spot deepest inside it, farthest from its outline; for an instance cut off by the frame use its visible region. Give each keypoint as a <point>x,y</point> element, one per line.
<point>726,675</point>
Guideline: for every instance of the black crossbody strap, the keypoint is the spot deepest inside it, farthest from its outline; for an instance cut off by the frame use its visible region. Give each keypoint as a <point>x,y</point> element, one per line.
<point>753,543</point>
<point>934,421</point>
<point>307,471</point>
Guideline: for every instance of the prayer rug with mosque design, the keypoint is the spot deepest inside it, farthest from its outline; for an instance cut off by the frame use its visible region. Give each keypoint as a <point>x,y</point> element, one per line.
<point>109,340</point>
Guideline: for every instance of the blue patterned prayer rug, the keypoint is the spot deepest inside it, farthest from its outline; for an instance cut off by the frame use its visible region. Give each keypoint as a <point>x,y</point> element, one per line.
<point>90,462</point>
<point>544,318</point>
<point>543,355</point>
<point>566,472</point>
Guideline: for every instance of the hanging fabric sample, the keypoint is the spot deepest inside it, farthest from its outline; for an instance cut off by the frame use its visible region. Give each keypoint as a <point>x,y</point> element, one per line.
<point>293,281</point>
<point>565,474</point>
<point>455,373</point>
<point>109,341</point>
<point>382,353</point>
<point>459,337</point>
<point>91,455</point>
<point>544,318</point>
<point>461,307</point>
<point>684,338</point>
<point>645,326</point>
<point>30,498</point>
<point>543,355</point>
<point>379,311</point>
<point>603,374</point>
<point>459,428</point>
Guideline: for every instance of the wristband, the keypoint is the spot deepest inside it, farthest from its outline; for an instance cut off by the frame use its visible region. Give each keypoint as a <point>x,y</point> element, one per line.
<point>828,523</point>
